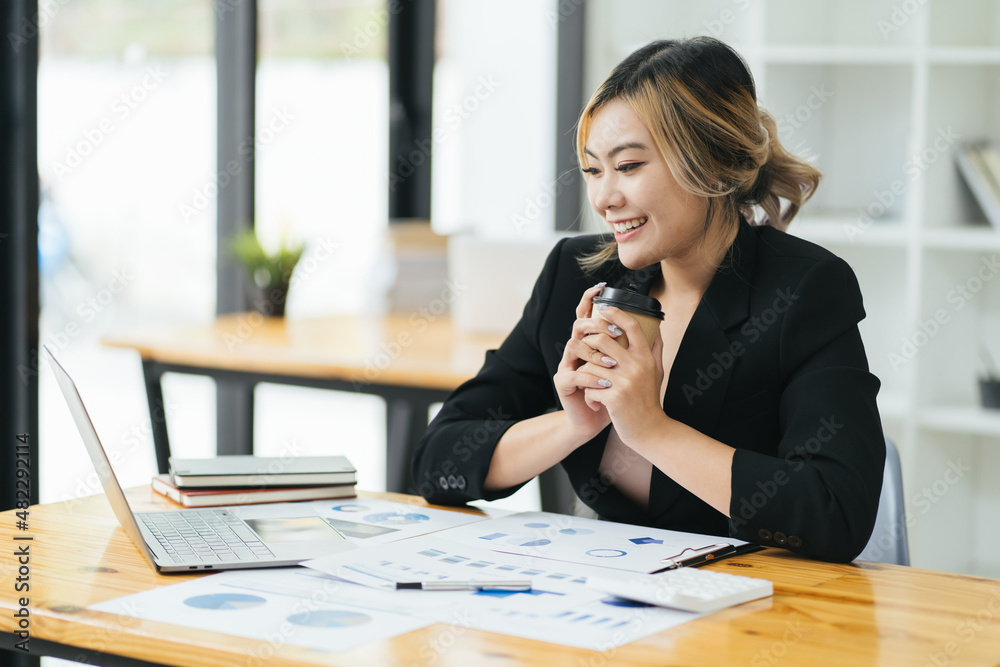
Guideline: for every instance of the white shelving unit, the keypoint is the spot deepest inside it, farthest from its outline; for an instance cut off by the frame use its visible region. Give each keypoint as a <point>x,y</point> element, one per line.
<point>879,95</point>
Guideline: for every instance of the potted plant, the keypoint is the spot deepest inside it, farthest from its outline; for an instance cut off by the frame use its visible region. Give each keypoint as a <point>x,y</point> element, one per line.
<point>989,384</point>
<point>269,273</point>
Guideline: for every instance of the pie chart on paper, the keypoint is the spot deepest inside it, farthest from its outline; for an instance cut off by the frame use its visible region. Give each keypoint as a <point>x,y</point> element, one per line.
<point>329,618</point>
<point>396,518</point>
<point>225,601</point>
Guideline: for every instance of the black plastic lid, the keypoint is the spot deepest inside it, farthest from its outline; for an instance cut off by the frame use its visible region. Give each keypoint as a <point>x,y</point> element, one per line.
<point>630,301</point>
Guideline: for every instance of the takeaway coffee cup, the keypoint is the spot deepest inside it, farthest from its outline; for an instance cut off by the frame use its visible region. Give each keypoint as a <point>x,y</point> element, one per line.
<point>645,309</point>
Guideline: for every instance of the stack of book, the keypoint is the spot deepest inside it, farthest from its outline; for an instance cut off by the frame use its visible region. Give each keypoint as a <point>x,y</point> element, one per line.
<point>420,259</point>
<point>245,480</point>
<point>979,163</point>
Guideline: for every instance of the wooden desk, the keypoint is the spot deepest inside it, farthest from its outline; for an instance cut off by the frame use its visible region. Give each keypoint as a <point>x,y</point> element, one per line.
<point>411,361</point>
<point>820,614</point>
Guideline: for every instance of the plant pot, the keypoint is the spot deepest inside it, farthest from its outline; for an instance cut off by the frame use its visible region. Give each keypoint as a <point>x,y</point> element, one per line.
<point>989,393</point>
<point>268,301</point>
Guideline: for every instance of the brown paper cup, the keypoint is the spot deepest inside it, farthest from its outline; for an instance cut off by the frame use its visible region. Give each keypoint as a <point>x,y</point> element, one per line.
<point>650,325</point>
<point>645,309</point>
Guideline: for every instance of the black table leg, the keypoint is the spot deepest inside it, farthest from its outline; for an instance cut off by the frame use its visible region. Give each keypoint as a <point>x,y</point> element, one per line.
<point>152,375</point>
<point>17,658</point>
<point>406,420</point>
<point>234,416</point>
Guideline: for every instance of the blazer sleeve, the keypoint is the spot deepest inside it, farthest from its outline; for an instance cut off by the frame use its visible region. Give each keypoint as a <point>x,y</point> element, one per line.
<point>453,457</point>
<point>819,494</point>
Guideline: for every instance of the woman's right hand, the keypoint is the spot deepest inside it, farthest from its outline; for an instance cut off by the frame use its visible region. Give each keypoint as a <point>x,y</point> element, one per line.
<point>586,419</point>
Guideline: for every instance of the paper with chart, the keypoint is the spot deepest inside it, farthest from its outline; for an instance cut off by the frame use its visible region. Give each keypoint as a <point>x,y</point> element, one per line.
<point>294,606</point>
<point>373,521</point>
<point>559,607</point>
<point>573,539</point>
<point>306,606</point>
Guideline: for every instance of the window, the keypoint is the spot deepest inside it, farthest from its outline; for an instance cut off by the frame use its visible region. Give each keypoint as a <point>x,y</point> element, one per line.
<point>494,113</point>
<point>126,156</point>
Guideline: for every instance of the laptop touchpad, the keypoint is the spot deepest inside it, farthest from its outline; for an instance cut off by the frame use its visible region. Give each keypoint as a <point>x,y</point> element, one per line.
<point>296,529</point>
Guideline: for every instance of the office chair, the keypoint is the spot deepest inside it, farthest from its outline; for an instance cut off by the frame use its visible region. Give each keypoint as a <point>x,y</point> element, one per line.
<point>888,541</point>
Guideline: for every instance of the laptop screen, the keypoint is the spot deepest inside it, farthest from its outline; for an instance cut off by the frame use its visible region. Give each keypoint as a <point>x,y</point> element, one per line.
<point>112,488</point>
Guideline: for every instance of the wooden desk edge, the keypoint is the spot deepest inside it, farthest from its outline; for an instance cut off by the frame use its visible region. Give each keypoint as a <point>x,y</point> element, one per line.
<point>834,586</point>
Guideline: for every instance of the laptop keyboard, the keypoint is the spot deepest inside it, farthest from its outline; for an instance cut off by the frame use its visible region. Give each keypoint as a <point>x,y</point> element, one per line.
<point>204,536</point>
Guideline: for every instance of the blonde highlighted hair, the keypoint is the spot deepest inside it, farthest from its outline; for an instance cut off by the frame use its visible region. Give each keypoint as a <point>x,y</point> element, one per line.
<point>697,98</point>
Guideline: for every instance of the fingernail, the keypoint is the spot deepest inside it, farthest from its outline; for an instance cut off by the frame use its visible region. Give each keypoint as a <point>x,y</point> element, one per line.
<point>602,306</point>
<point>598,285</point>
<point>615,331</point>
<point>604,383</point>
<point>609,361</point>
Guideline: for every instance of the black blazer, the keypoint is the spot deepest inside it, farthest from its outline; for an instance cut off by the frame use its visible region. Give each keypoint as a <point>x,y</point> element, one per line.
<point>771,364</point>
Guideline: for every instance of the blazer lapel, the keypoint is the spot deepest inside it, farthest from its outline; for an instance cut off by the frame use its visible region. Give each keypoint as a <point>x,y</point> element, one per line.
<point>699,378</point>
<point>705,359</point>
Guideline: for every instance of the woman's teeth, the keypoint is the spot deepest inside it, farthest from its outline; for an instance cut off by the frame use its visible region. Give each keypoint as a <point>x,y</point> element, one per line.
<point>622,227</point>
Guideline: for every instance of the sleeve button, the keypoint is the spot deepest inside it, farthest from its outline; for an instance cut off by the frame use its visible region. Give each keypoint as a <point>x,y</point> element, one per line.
<point>764,534</point>
<point>452,482</point>
<point>461,481</point>
<point>795,541</point>
<point>443,482</point>
<point>780,539</point>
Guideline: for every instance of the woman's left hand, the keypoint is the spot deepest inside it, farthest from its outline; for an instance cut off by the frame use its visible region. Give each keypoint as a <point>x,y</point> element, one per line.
<point>632,398</point>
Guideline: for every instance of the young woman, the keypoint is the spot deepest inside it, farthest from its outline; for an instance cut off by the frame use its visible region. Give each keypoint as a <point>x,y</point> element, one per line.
<point>753,414</point>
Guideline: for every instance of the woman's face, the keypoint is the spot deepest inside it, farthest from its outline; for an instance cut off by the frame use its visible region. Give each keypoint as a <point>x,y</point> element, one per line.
<point>631,187</point>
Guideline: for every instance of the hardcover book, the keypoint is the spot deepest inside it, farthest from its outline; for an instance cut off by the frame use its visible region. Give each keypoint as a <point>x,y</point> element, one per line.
<point>261,472</point>
<point>217,497</point>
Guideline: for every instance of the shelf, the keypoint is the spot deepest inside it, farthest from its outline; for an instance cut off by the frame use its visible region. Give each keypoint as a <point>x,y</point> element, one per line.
<point>848,230</point>
<point>967,55</point>
<point>971,420</point>
<point>972,239</point>
<point>838,55</point>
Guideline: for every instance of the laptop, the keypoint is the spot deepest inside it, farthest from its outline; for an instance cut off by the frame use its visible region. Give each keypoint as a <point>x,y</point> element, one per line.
<point>218,538</point>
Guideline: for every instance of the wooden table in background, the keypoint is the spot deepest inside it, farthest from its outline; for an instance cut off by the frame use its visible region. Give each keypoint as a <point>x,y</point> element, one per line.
<point>821,614</point>
<point>411,361</point>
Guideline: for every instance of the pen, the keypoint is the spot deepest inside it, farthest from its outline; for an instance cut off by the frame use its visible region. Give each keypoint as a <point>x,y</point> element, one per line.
<point>465,585</point>
<point>698,556</point>
<point>371,576</point>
